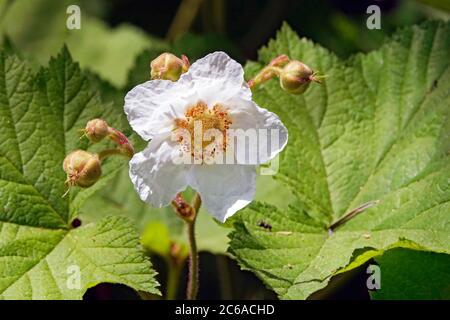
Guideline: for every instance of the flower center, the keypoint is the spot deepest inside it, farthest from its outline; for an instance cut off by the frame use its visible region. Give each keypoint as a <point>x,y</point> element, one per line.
<point>198,120</point>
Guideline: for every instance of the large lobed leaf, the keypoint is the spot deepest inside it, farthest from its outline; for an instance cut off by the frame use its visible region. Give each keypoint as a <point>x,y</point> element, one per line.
<point>39,118</point>
<point>378,129</point>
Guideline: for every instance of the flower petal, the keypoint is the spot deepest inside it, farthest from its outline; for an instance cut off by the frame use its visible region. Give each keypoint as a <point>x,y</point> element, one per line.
<point>216,78</point>
<point>224,189</point>
<point>151,107</point>
<point>155,175</point>
<point>271,134</point>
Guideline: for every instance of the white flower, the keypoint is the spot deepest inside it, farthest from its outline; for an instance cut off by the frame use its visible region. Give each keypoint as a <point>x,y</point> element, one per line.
<point>213,91</point>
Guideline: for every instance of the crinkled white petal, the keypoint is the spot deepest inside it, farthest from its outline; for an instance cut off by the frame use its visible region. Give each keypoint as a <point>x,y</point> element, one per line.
<point>152,106</point>
<point>263,132</point>
<point>156,177</point>
<point>217,78</point>
<point>224,189</point>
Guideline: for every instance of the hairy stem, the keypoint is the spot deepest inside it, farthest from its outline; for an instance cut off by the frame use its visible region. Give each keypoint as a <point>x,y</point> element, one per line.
<point>109,152</point>
<point>264,75</point>
<point>192,288</point>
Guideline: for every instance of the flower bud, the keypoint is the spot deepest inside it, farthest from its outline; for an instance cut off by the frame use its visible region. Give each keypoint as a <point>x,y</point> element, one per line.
<point>96,130</point>
<point>295,77</point>
<point>168,67</point>
<point>183,208</point>
<point>83,168</point>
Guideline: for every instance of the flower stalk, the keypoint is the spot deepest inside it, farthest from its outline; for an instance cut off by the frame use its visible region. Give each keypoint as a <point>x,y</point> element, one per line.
<point>193,283</point>
<point>188,212</point>
<point>109,152</point>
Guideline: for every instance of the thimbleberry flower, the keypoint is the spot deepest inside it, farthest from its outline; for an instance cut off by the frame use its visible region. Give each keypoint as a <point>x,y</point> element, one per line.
<point>211,95</point>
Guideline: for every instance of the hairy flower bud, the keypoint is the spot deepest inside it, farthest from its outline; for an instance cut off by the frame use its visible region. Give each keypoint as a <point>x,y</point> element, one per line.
<point>96,130</point>
<point>183,208</point>
<point>168,67</point>
<point>295,77</point>
<point>83,168</point>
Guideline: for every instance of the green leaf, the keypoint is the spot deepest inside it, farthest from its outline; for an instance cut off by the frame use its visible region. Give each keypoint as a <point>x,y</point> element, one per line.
<point>378,129</point>
<point>411,274</point>
<point>40,115</point>
<point>36,263</point>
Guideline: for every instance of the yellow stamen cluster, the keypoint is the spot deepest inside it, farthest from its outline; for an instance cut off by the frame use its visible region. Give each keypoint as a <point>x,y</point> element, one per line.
<point>216,117</point>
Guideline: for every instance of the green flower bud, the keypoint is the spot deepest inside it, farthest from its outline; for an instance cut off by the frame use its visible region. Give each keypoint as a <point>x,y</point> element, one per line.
<point>168,67</point>
<point>295,77</point>
<point>83,169</point>
<point>96,130</point>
